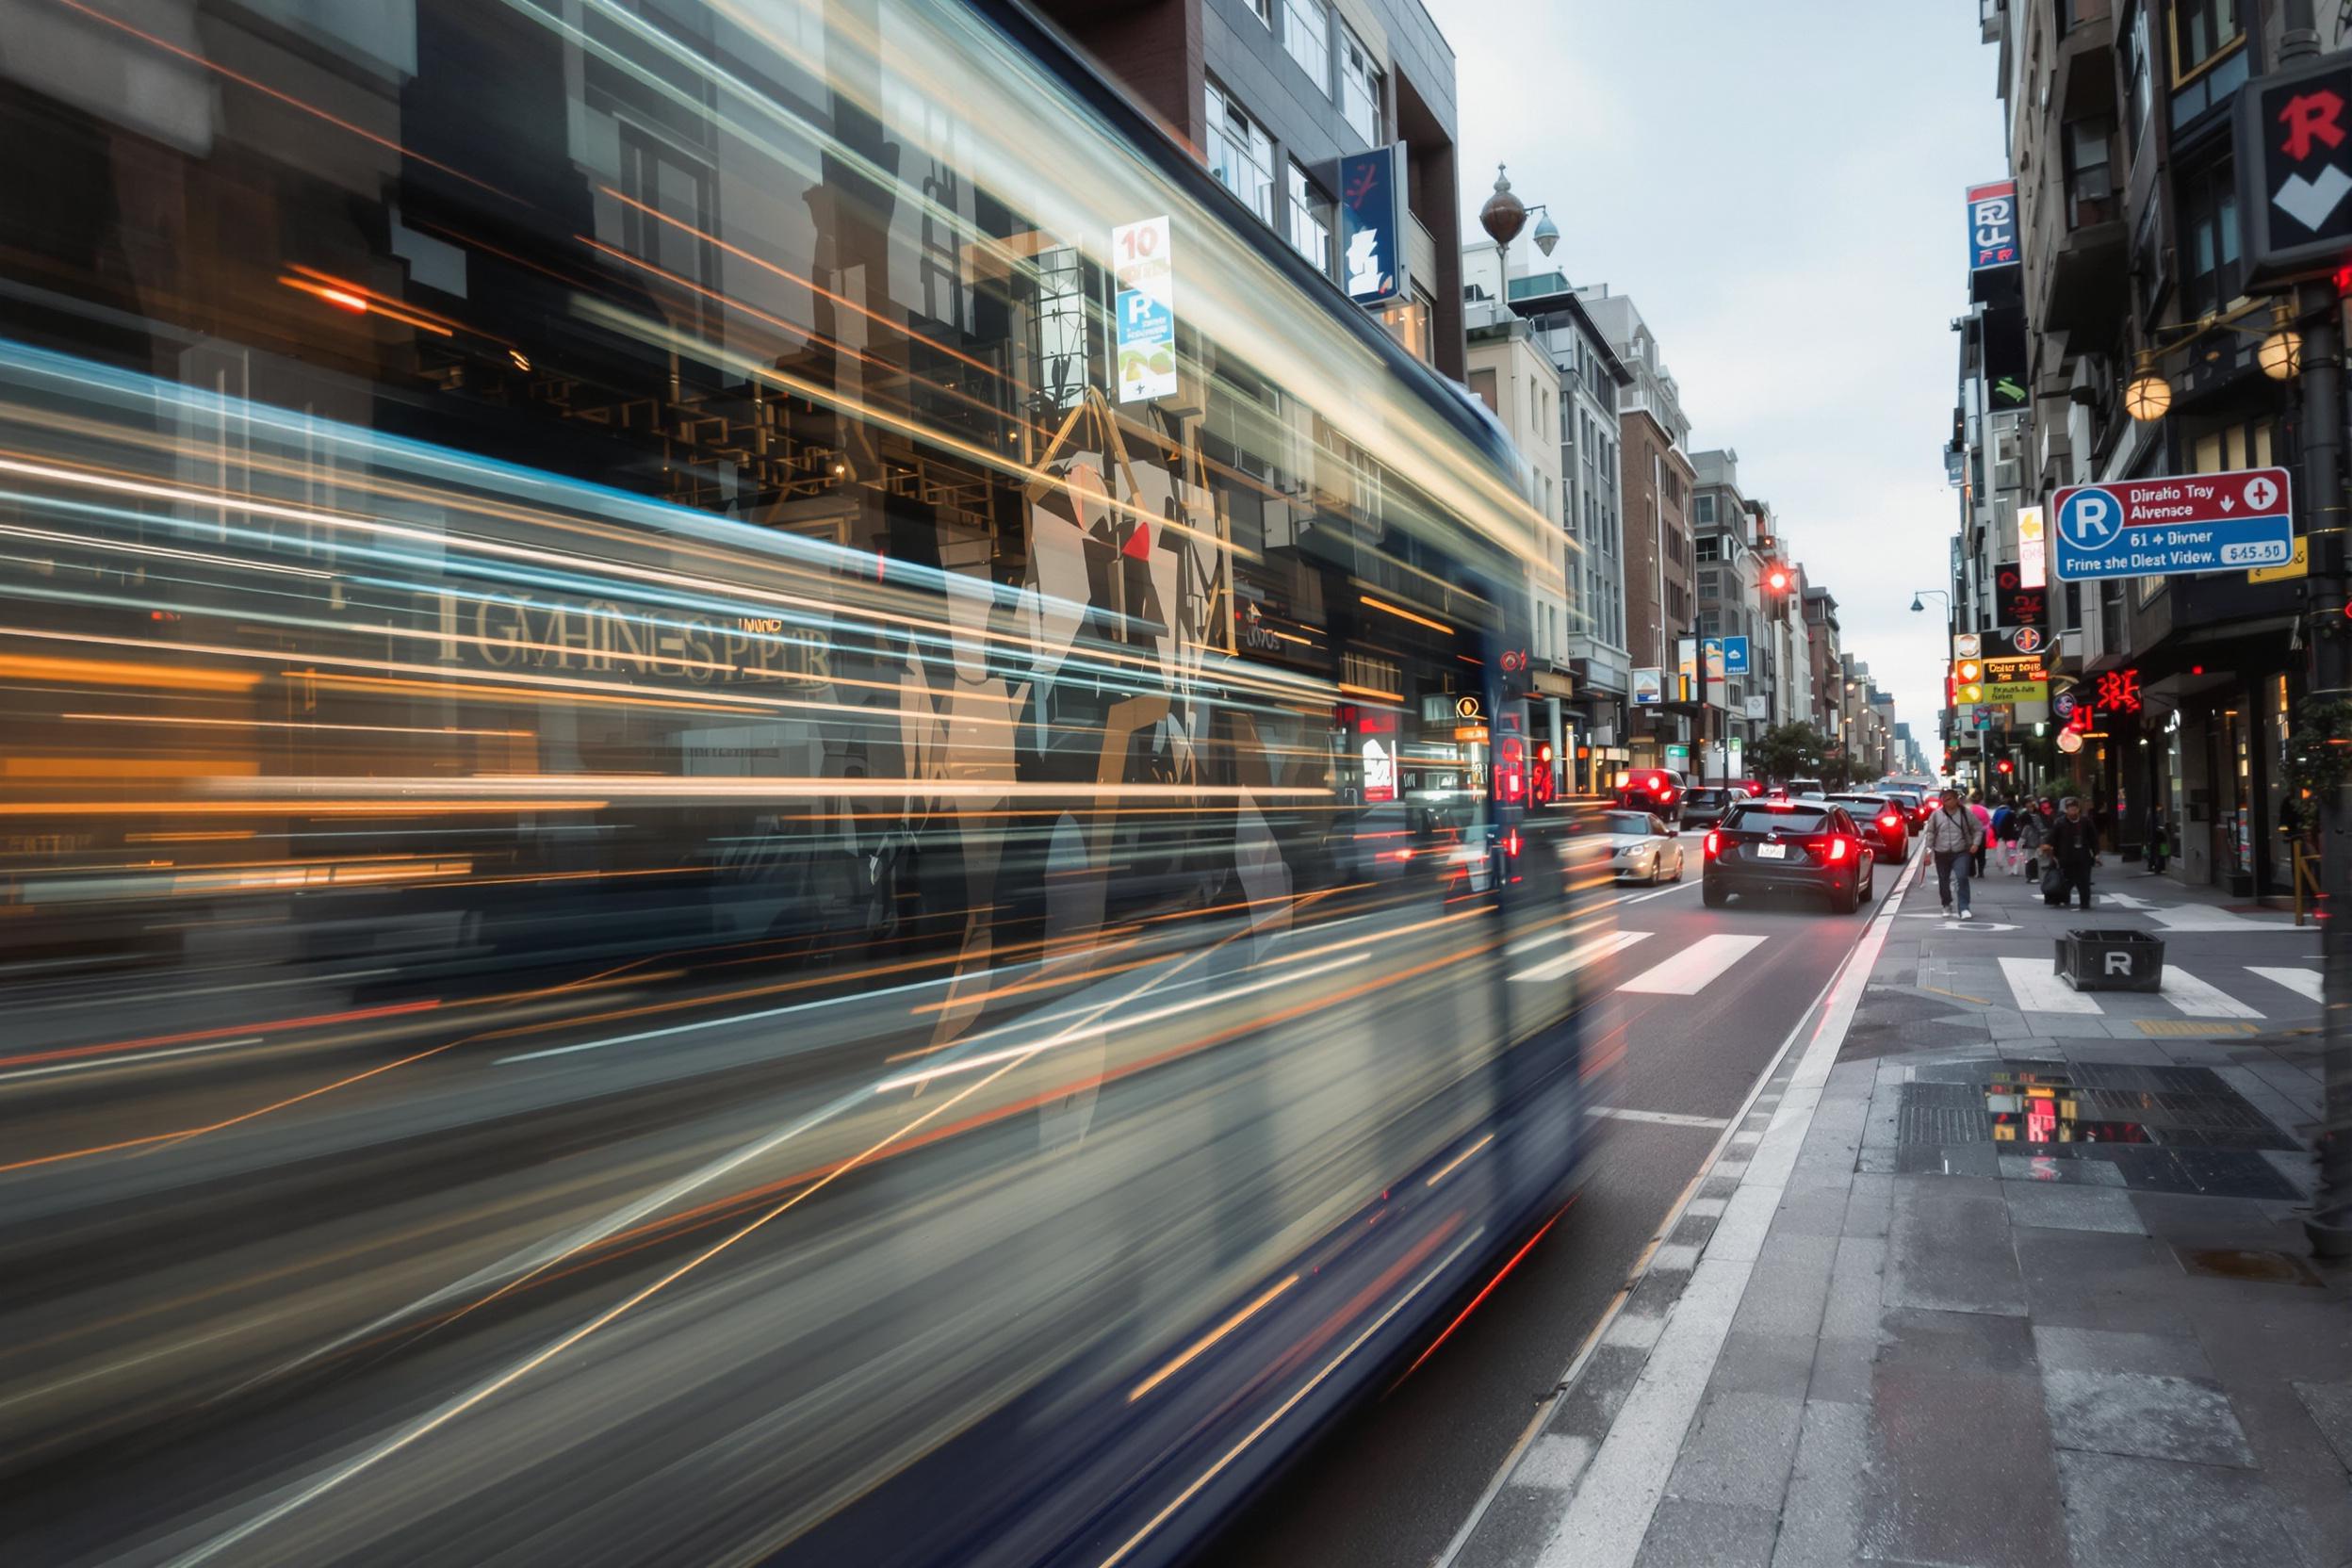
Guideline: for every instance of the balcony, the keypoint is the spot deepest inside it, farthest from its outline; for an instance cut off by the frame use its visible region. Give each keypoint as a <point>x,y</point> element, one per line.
<point>2086,286</point>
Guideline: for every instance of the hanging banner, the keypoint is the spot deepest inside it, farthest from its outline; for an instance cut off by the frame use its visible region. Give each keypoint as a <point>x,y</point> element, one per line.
<point>1372,224</point>
<point>1143,261</point>
<point>2032,552</point>
<point>1992,225</point>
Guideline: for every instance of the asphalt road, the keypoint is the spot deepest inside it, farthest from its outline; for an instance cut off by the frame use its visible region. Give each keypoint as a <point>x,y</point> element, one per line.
<point>1390,1486</point>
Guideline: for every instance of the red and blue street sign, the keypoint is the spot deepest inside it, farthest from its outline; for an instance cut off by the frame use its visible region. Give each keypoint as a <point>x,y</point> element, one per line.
<point>2174,527</point>
<point>1992,225</point>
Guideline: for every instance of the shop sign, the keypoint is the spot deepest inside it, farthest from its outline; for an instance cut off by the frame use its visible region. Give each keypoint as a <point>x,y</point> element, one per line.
<point>1992,225</point>
<point>1371,225</point>
<point>1649,687</point>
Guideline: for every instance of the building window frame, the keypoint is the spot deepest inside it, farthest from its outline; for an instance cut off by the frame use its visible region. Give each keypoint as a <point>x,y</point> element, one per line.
<point>1310,215</point>
<point>1313,57</point>
<point>1362,80</point>
<point>1248,167</point>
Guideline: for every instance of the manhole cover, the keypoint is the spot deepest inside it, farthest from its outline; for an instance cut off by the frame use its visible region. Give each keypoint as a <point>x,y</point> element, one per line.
<point>2164,1129</point>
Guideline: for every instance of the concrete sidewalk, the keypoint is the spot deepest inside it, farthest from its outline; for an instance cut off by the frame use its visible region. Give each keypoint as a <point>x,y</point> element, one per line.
<point>1983,1279</point>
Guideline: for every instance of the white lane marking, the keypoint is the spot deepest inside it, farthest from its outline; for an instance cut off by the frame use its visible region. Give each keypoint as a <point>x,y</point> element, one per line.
<point>1657,1118</point>
<point>2037,991</point>
<point>1682,887</point>
<point>1694,967</point>
<point>1581,955</point>
<point>2199,999</point>
<point>1612,1507</point>
<point>139,1060</point>
<point>2305,982</point>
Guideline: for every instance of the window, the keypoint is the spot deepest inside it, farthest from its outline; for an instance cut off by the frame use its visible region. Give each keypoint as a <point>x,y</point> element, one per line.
<point>2138,85</point>
<point>1710,546</point>
<point>1310,220</point>
<point>1240,155</point>
<point>1262,9</point>
<point>2209,56</point>
<point>1703,511</point>
<point>2209,223</point>
<point>2090,182</point>
<point>661,182</point>
<point>1359,86</point>
<point>1307,38</point>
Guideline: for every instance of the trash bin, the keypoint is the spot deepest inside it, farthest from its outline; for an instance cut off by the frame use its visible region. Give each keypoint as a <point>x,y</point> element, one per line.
<point>2109,960</point>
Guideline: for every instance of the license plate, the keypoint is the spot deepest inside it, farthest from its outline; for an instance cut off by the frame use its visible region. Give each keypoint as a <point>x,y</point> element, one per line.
<point>1772,852</point>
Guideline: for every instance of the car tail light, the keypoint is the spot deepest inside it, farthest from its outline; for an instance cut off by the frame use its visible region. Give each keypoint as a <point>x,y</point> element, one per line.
<point>1714,844</point>
<point>1890,820</point>
<point>1837,850</point>
<point>1511,844</point>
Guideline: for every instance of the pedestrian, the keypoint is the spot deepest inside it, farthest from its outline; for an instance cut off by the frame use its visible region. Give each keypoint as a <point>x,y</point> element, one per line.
<point>1983,829</point>
<point>2159,842</point>
<point>2045,872</point>
<point>1954,838</point>
<point>2074,843</point>
<point>2031,833</point>
<point>2006,827</point>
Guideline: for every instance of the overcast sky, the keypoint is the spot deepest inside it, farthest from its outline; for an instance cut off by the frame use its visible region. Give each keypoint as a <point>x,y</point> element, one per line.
<point>1779,188</point>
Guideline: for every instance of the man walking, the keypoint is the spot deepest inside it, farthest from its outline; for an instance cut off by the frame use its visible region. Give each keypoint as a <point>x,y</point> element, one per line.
<point>1953,838</point>
<point>2074,838</point>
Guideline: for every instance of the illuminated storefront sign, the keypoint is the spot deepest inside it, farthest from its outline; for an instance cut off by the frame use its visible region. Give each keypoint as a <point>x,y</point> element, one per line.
<point>1371,225</point>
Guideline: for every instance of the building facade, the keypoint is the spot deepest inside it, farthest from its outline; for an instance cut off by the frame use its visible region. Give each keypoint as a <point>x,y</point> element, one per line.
<point>2119,119</point>
<point>1655,480</point>
<point>1272,93</point>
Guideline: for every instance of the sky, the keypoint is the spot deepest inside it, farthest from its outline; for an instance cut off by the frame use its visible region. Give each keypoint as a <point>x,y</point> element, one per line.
<point>1779,188</point>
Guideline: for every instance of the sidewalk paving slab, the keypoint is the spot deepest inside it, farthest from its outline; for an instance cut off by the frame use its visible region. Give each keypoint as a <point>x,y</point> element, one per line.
<point>1990,1286</point>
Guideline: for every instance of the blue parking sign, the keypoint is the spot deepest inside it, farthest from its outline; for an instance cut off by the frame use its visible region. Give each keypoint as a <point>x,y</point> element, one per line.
<point>2174,527</point>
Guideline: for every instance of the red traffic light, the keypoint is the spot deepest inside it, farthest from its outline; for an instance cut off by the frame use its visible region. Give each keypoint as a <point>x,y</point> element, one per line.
<point>2005,765</point>
<point>1777,581</point>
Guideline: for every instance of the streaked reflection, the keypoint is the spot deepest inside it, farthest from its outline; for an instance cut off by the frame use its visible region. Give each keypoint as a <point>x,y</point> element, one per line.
<point>666,894</point>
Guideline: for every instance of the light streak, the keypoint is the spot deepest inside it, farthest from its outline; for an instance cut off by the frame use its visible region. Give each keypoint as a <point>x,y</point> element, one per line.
<point>117,672</point>
<point>176,720</point>
<point>1404,615</point>
<point>1455,1163</point>
<point>1482,1295</point>
<point>1209,1339</point>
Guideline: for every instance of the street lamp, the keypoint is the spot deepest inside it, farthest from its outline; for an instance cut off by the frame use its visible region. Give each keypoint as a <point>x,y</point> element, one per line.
<point>1504,216</point>
<point>1916,608</point>
<point>2150,394</point>
<point>2282,353</point>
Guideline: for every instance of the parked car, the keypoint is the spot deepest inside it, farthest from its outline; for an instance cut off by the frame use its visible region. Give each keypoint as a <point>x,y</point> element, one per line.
<point>1657,790</point>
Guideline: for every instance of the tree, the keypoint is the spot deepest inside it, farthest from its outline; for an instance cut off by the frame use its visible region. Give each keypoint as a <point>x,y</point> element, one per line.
<point>1788,751</point>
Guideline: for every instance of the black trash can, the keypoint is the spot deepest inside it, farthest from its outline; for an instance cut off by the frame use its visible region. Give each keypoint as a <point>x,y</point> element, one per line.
<point>2109,960</point>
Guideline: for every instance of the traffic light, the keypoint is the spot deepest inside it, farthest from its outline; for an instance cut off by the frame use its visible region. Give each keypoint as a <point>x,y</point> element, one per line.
<point>1778,579</point>
<point>2004,766</point>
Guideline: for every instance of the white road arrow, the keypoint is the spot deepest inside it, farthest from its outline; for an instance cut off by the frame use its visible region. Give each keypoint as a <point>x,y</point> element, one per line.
<point>2308,200</point>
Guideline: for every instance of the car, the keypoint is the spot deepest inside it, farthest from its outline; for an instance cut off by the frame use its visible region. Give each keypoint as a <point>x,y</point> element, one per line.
<point>1705,806</point>
<point>1657,790</point>
<point>1642,847</point>
<point>1801,787</point>
<point>1883,819</point>
<point>1789,846</point>
<point>1917,804</point>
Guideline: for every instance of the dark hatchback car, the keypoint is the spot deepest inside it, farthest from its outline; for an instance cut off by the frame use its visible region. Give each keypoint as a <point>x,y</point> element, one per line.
<point>1883,819</point>
<point>1789,846</point>
<point>1704,806</point>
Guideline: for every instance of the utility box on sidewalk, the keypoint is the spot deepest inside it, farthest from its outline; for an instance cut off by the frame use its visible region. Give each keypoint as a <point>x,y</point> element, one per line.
<point>2109,960</point>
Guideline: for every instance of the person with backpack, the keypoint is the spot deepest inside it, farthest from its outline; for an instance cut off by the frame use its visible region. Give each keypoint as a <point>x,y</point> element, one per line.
<point>2006,833</point>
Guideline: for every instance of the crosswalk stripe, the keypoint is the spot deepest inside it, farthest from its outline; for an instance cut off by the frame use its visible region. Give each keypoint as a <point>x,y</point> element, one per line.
<point>1583,953</point>
<point>1689,972</point>
<point>2197,999</point>
<point>2306,981</point>
<point>2039,991</point>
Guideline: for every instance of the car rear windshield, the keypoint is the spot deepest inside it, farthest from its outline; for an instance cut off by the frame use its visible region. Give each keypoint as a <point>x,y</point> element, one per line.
<point>1872,801</point>
<point>1763,819</point>
<point>1628,821</point>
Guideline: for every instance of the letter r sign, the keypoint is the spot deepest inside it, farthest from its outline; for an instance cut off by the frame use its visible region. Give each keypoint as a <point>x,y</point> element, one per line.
<point>2117,963</point>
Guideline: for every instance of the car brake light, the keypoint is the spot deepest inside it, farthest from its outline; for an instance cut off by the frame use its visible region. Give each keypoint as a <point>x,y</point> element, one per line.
<point>1511,844</point>
<point>1714,844</point>
<point>1890,820</point>
<point>1837,850</point>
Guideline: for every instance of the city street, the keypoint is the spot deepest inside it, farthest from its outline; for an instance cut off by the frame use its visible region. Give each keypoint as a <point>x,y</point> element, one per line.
<point>1392,1483</point>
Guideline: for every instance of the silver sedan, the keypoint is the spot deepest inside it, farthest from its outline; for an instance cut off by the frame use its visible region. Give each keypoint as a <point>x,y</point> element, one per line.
<point>1642,848</point>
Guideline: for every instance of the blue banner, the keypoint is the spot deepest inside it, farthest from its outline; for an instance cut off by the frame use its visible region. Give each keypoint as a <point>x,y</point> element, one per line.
<point>1372,226</point>
<point>1992,225</point>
